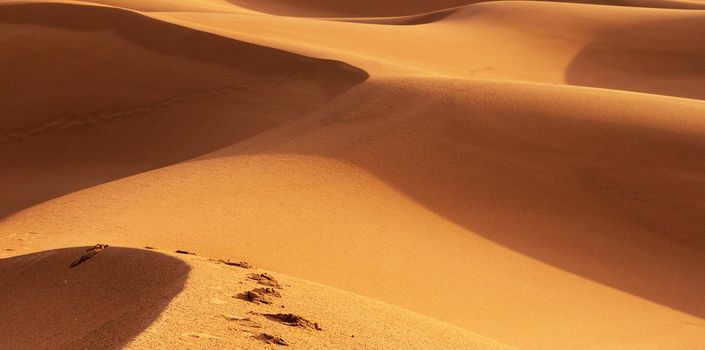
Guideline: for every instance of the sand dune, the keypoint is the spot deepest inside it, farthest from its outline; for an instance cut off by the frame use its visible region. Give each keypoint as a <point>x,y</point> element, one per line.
<point>370,8</point>
<point>558,188</point>
<point>109,95</point>
<point>527,172</point>
<point>556,43</point>
<point>222,320</point>
<point>102,303</point>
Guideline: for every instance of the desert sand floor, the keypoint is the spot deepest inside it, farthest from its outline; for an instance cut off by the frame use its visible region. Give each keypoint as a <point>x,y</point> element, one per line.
<point>450,174</point>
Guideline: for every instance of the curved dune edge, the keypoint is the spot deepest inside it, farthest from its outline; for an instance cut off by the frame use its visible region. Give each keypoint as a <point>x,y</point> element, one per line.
<point>521,203</point>
<point>371,8</point>
<point>120,94</point>
<point>100,304</point>
<point>208,314</point>
<point>655,51</point>
<point>551,194</point>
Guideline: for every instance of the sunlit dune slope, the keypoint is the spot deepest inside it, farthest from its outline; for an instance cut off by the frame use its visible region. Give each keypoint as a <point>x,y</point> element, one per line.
<point>208,314</point>
<point>346,8</point>
<point>47,305</point>
<point>373,8</point>
<point>110,93</point>
<point>481,192</point>
<point>531,172</point>
<point>656,51</point>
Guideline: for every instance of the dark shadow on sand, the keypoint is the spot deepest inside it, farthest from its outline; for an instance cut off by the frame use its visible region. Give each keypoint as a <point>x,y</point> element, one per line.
<point>100,304</point>
<point>103,93</point>
<point>646,58</point>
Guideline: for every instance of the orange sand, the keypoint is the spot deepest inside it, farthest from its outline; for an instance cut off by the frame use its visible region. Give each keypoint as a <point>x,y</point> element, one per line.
<point>420,175</point>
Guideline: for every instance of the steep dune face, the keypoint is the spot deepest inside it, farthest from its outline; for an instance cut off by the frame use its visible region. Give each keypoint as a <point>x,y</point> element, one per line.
<point>622,48</point>
<point>101,303</point>
<point>364,8</point>
<point>530,171</point>
<point>521,187</point>
<point>556,43</point>
<point>111,93</point>
<point>644,57</point>
<point>347,321</point>
<point>371,8</point>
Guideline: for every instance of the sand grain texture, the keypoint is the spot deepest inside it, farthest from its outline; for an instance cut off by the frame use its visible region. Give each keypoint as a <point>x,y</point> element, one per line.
<point>419,174</point>
<point>101,303</point>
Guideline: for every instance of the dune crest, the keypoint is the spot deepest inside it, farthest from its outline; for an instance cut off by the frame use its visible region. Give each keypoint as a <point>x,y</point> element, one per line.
<point>554,190</point>
<point>103,303</point>
<point>303,314</point>
<point>114,104</point>
<point>371,8</point>
<point>529,172</point>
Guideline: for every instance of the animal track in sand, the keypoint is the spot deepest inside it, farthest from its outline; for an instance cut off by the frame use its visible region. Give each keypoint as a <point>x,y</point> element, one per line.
<point>243,321</point>
<point>271,339</point>
<point>265,279</point>
<point>293,320</point>
<point>201,336</point>
<point>241,264</point>
<point>66,122</point>
<point>259,295</point>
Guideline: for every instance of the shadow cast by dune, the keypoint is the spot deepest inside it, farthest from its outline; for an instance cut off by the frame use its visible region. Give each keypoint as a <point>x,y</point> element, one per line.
<point>364,8</point>
<point>616,200</point>
<point>620,204</point>
<point>646,58</point>
<point>590,182</point>
<point>371,8</point>
<point>413,20</point>
<point>100,304</point>
<point>92,94</point>
<point>177,41</point>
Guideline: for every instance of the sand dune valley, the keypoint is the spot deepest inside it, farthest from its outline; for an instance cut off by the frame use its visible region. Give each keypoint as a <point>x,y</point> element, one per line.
<point>352,174</point>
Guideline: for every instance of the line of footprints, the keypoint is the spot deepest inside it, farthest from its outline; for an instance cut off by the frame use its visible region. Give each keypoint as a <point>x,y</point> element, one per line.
<point>266,295</point>
<point>263,295</point>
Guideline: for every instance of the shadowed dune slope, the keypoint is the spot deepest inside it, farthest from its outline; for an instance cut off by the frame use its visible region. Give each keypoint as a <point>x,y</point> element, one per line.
<point>99,93</point>
<point>205,315</point>
<point>622,48</point>
<point>656,51</point>
<point>212,6</point>
<point>102,303</point>
<point>654,54</point>
<point>529,171</point>
<point>481,192</point>
<point>373,8</point>
<point>347,8</point>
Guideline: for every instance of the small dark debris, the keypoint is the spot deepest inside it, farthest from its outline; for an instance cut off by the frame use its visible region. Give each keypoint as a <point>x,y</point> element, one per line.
<point>90,252</point>
<point>270,339</point>
<point>9,250</point>
<point>254,297</point>
<point>266,276</point>
<point>260,295</point>
<point>149,247</point>
<point>269,291</point>
<point>185,252</point>
<point>293,320</point>
<point>241,264</point>
<point>265,279</point>
<point>244,321</point>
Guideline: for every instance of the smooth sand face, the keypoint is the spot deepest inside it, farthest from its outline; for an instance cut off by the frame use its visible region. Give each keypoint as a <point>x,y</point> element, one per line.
<point>99,67</point>
<point>101,303</point>
<point>510,172</point>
